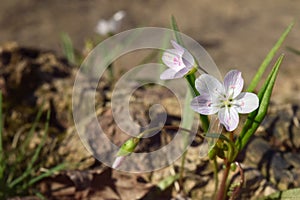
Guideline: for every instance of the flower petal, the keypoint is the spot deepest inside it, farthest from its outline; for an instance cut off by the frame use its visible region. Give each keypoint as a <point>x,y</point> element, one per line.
<point>203,105</point>
<point>246,102</point>
<point>181,73</point>
<point>209,85</point>
<point>118,161</point>
<point>171,74</point>
<point>233,83</point>
<point>229,117</point>
<point>173,59</point>
<point>188,59</point>
<point>178,47</point>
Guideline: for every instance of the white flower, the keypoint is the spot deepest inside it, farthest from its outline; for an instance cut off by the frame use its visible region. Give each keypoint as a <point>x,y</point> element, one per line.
<point>179,61</point>
<point>225,99</point>
<point>111,25</point>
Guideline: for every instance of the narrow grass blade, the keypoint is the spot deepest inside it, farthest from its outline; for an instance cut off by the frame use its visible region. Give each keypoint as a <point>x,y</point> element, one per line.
<point>29,168</point>
<point>176,31</point>
<point>29,136</point>
<point>68,48</point>
<point>44,175</point>
<point>268,59</point>
<point>256,117</point>
<point>295,51</point>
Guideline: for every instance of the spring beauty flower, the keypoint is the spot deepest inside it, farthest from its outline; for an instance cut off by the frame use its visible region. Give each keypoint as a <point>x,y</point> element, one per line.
<point>179,61</point>
<point>225,99</point>
<point>111,25</point>
<point>126,149</point>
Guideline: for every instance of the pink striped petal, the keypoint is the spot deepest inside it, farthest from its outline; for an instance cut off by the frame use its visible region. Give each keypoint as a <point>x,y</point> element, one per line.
<point>229,117</point>
<point>204,105</point>
<point>209,85</point>
<point>172,59</point>
<point>233,83</point>
<point>246,102</point>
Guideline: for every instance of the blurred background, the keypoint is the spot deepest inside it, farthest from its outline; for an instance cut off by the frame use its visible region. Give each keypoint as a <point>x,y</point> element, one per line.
<point>237,34</point>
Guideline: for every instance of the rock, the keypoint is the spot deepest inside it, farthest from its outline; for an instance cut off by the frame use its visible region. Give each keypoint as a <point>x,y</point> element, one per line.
<point>256,151</point>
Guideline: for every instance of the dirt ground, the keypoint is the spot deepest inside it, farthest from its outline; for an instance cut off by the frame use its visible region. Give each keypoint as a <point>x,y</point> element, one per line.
<point>237,34</point>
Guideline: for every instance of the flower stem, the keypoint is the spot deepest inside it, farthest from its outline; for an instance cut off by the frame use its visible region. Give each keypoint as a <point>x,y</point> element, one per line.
<point>238,189</point>
<point>222,192</point>
<point>216,176</point>
<point>203,118</point>
<point>182,170</point>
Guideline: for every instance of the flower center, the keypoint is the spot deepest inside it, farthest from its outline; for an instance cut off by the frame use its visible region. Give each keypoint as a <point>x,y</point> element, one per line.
<point>227,102</point>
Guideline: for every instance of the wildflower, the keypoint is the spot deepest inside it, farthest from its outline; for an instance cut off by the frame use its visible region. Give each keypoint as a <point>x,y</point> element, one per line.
<point>225,99</point>
<point>126,149</point>
<point>111,25</point>
<point>179,61</point>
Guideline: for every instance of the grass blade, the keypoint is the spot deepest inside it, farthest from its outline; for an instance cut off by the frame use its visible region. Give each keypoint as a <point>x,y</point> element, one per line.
<point>44,175</point>
<point>268,59</point>
<point>29,169</point>
<point>176,31</point>
<point>295,51</point>
<point>31,131</point>
<point>68,48</point>
<point>256,117</point>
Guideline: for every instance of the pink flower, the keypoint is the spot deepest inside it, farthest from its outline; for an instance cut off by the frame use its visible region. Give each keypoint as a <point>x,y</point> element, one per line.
<point>179,61</point>
<point>225,99</point>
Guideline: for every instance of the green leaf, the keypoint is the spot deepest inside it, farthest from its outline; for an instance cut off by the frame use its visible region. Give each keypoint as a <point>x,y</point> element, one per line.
<point>68,48</point>
<point>285,195</point>
<point>176,31</point>
<point>295,51</point>
<point>255,118</point>
<point>268,59</point>
<point>25,144</point>
<point>167,182</point>
<point>44,175</point>
<point>30,166</point>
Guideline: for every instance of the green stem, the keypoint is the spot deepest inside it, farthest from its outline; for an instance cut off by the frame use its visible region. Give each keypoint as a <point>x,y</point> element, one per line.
<point>182,169</point>
<point>203,118</point>
<point>216,176</point>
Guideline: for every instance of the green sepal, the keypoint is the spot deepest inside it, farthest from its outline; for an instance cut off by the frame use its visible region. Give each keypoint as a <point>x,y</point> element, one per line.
<point>128,147</point>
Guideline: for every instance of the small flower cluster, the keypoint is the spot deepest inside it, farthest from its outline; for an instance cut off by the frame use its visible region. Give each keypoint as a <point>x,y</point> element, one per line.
<point>225,99</point>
